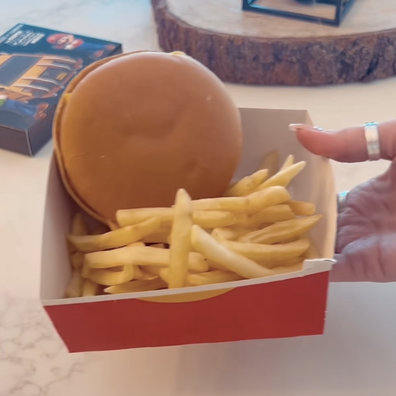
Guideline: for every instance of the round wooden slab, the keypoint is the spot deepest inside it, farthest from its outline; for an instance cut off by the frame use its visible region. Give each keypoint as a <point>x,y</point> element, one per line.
<point>252,48</point>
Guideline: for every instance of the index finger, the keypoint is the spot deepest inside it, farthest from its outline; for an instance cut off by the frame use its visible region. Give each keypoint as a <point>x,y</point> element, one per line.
<point>347,145</point>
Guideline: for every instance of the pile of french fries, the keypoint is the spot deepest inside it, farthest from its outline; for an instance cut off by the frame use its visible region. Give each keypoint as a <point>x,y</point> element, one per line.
<point>255,230</point>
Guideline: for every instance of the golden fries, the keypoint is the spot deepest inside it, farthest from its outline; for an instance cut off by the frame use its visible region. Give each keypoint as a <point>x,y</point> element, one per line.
<point>164,275</point>
<point>205,219</point>
<point>136,286</point>
<point>282,231</point>
<point>130,217</point>
<point>90,288</point>
<point>142,256</point>
<point>301,208</point>
<point>255,230</point>
<point>282,263</point>
<point>289,161</point>
<point>210,219</point>
<point>265,198</point>
<point>247,184</point>
<point>153,269</point>
<point>272,214</point>
<point>239,264</point>
<point>230,204</point>
<point>230,233</point>
<point>180,240</point>
<point>284,177</point>
<point>76,259</point>
<point>158,245</point>
<point>256,251</point>
<point>114,239</point>
<point>75,286</point>
<point>271,163</point>
<point>211,277</point>
<point>112,278</point>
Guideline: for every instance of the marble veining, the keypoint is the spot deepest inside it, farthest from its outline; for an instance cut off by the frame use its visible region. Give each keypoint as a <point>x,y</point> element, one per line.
<point>33,360</point>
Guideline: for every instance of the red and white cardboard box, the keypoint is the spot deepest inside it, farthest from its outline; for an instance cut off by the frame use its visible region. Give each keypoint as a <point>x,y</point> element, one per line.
<point>287,305</point>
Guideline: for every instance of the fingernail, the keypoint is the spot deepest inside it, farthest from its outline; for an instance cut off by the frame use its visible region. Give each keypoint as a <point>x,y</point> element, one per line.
<point>297,127</point>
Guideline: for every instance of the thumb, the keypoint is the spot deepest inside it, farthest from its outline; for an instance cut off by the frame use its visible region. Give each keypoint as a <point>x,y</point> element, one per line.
<point>346,145</point>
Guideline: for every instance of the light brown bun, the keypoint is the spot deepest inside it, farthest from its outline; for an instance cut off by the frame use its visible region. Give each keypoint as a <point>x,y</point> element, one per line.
<point>137,127</point>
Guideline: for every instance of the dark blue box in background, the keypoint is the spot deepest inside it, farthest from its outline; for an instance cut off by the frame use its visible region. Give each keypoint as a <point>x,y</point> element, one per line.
<point>36,64</point>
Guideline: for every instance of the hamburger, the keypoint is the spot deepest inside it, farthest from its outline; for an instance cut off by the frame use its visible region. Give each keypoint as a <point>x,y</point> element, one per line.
<point>131,130</point>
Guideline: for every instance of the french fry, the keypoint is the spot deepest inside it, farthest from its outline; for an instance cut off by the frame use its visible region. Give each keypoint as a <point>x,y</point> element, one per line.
<point>289,161</point>
<point>301,208</point>
<point>114,239</point>
<point>79,227</point>
<point>262,199</point>
<point>259,252</point>
<point>159,245</point>
<point>164,275</point>
<point>112,278</point>
<point>247,184</point>
<point>205,219</point>
<point>219,253</point>
<point>75,286</point>
<point>113,225</point>
<point>271,163</point>
<point>136,244</point>
<point>210,219</point>
<point>208,278</point>
<point>216,266</point>
<point>160,236</point>
<point>230,233</point>
<point>90,288</point>
<point>281,263</point>
<point>136,286</point>
<point>282,231</point>
<point>180,239</point>
<point>128,217</point>
<point>284,177</point>
<point>229,204</point>
<point>146,276</point>
<point>153,269</point>
<point>141,256</point>
<point>272,214</point>
<point>137,272</point>
<point>77,259</point>
<point>85,270</point>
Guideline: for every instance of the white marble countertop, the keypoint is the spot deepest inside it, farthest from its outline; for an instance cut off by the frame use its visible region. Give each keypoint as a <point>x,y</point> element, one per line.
<point>357,356</point>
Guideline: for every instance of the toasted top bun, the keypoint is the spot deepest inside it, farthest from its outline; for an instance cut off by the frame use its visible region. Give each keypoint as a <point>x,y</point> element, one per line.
<point>135,128</point>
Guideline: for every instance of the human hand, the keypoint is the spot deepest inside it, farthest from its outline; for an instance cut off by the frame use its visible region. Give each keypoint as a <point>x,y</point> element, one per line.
<point>366,236</point>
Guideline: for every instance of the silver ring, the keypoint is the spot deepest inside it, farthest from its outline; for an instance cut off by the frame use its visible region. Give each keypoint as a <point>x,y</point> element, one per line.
<point>341,201</point>
<point>372,140</point>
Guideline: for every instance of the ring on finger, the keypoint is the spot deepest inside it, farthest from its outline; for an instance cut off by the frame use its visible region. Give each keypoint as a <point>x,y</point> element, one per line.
<point>372,141</point>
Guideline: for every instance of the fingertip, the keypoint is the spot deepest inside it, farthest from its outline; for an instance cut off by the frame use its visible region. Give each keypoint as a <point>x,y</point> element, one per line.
<point>313,140</point>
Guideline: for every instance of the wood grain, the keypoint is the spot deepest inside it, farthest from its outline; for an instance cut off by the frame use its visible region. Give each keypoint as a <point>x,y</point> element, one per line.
<point>251,48</point>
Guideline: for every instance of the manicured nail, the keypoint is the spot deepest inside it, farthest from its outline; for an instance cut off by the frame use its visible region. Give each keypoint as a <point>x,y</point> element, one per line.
<point>295,127</point>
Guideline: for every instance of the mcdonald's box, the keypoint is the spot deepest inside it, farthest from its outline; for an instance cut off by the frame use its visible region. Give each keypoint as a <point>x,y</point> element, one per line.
<point>289,300</point>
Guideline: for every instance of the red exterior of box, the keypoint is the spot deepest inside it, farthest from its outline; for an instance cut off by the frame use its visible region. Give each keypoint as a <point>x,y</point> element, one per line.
<point>287,308</point>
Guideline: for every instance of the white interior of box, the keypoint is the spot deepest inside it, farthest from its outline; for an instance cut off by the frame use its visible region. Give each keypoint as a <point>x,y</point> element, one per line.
<point>264,131</point>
